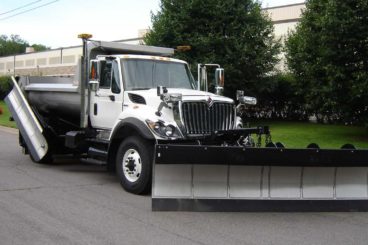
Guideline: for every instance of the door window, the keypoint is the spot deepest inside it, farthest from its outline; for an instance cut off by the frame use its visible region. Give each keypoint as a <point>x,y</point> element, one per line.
<point>115,81</point>
<point>105,78</point>
<point>110,77</point>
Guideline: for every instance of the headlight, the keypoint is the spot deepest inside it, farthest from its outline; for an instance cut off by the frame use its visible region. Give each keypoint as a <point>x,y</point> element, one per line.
<point>169,130</point>
<point>163,130</point>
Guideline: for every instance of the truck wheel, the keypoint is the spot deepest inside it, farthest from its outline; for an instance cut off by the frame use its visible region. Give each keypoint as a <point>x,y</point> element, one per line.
<point>134,164</point>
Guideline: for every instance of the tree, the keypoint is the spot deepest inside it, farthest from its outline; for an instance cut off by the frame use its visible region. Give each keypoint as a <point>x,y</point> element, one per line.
<point>15,45</point>
<point>233,33</point>
<point>328,55</point>
<point>39,47</point>
<point>12,45</point>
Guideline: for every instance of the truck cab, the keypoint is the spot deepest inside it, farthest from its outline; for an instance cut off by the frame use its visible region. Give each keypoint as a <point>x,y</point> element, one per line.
<point>119,79</point>
<point>127,86</point>
<point>143,99</point>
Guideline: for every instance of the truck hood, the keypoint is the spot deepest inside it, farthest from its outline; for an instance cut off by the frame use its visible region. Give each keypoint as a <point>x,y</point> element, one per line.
<point>188,95</point>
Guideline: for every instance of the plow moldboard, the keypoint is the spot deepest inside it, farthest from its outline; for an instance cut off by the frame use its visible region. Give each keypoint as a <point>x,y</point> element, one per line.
<point>227,187</point>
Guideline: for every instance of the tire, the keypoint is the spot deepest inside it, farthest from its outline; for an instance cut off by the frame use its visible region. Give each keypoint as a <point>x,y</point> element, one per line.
<point>134,165</point>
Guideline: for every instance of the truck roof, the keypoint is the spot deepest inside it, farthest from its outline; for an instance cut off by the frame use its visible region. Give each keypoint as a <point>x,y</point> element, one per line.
<point>112,48</point>
<point>145,57</point>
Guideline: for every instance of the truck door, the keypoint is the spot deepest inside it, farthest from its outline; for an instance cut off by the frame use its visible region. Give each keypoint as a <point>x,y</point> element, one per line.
<point>106,102</point>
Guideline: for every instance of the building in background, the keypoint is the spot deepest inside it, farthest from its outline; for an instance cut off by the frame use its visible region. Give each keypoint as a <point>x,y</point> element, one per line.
<point>284,18</point>
<point>63,60</point>
<point>60,61</point>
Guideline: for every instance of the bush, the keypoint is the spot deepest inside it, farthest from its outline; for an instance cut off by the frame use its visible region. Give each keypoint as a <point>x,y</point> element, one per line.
<point>1,110</point>
<point>327,53</point>
<point>5,86</point>
<point>277,99</point>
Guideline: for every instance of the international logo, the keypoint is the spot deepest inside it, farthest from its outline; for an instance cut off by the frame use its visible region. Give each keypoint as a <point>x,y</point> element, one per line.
<point>209,102</point>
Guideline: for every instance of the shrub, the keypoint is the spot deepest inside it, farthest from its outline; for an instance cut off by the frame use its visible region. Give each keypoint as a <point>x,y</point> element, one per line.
<point>277,99</point>
<point>327,53</point>
<point>5,86</point>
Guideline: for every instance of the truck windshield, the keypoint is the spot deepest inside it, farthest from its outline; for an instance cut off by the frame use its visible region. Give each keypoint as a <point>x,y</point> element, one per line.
<point>147,74</point>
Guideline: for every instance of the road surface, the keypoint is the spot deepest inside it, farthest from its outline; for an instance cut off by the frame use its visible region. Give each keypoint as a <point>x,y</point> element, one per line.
<point>73,203</point>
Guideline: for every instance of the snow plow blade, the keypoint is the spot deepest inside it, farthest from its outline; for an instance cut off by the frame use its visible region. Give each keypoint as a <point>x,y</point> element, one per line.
<point>219,178</point>
<point>27,123</point>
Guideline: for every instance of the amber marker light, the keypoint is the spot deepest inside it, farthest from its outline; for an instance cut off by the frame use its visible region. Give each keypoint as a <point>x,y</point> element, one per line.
<point>183,48</point>
<point>85,36</point>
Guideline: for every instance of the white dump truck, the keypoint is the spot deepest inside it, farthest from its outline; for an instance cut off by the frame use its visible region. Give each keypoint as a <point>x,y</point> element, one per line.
<point>143,115</point>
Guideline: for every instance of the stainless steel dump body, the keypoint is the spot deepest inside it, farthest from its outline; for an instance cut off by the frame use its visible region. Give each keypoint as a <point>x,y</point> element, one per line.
<point>53,95</point>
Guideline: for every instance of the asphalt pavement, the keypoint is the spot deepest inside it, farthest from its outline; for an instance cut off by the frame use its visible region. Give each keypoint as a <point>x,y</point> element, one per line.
<point>69,202</point>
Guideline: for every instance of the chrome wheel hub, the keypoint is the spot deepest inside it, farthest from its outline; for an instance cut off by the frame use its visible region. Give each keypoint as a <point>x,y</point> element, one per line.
<point>132,165</point>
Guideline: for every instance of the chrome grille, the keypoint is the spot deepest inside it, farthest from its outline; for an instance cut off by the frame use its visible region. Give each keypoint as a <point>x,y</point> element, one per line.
<point>200,119</point>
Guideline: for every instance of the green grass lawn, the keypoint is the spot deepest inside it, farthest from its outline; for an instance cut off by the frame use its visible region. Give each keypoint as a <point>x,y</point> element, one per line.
<point>4,118</point>
<point>300,134</point>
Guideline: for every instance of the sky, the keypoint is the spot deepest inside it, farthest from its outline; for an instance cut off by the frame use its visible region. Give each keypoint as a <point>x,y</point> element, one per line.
<point>58,22</point>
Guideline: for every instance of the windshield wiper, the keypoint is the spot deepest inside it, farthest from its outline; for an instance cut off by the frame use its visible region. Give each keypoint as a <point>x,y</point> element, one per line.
<point>140,88</point>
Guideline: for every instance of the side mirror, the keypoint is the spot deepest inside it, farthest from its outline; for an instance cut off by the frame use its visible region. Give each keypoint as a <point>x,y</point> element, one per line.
<point>93,86</point>
<point>94,74</point>
<point>245,100</point>
<point>94,71</point>
<point>202,78</point>
<point>220,77</point>
<point>220,80</point>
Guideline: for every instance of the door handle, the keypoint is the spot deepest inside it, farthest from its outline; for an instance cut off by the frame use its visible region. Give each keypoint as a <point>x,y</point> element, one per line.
<point>95,109</point>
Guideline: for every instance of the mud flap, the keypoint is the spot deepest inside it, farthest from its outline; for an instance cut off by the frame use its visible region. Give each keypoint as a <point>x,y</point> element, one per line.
<point>245,184</point>
<point>27,122</point>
